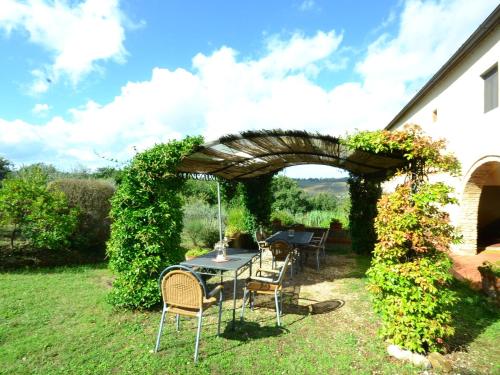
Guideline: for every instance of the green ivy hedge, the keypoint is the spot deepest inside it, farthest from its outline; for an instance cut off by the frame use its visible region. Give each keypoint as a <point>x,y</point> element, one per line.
<point>364,196</point>
<point>147,223</point>
<point>409,277</point>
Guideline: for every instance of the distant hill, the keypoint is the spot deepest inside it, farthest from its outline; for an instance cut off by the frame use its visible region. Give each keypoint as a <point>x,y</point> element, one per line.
<point>336,186</point>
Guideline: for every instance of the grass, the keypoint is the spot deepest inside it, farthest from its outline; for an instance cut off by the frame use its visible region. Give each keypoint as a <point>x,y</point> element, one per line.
<point>57,320</point>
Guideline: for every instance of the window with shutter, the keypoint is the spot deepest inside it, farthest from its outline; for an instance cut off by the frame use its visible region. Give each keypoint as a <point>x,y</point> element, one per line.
<point>490,78</point>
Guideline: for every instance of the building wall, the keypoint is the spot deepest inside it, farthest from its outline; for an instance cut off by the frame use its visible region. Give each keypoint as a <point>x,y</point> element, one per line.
<point>454,110</point>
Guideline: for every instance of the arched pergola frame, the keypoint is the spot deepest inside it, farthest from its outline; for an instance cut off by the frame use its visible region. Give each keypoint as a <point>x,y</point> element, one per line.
<point>147,209</point>
<point>252,154</point>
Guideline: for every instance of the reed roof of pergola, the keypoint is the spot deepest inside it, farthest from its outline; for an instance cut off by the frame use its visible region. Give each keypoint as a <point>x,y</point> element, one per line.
<point>256,153</point>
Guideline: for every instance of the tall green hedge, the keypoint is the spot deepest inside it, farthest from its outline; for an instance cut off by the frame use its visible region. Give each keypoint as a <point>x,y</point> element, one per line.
<point>147,223</point>
<point>92,199</point>
<point>364,196</point>
<point>257,199</point>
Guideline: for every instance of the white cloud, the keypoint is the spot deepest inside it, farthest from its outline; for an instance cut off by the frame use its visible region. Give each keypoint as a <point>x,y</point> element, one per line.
<point>225,93</point>
<point>78,36</point>
<point>40,109</point>
<point>429,32</point>
<point>307,5</point>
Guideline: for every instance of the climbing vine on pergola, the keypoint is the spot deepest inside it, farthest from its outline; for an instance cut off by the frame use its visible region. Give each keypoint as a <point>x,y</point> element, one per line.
<point>147,212</point>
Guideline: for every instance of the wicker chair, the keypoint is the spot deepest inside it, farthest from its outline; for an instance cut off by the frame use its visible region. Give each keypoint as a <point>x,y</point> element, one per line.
<point>268,285</point>
<point>184,293</point>
<point>280,250</point>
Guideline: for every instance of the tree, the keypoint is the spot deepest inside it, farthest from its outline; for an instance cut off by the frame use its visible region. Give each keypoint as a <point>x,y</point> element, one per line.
<point>4,167</point>
<point>323,201</point>
<point>48,170</point>
<point>41,216</point>
<point>288,196</point>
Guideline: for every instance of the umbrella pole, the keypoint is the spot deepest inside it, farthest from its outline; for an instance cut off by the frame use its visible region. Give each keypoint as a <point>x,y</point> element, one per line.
<point>220,212</point>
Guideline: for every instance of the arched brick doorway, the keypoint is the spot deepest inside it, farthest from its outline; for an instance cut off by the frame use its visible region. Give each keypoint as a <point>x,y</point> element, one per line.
<point>480,222</point>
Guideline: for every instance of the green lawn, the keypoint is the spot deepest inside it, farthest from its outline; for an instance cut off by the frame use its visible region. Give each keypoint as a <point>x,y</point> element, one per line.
<point>57,321</point>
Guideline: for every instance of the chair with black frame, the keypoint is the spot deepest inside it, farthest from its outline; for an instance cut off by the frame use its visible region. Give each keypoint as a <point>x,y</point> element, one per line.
<point>280,249</point>
<point>184,293</point>
<point>260,238</point>
<point>316,248</point>
<point>267,285</point>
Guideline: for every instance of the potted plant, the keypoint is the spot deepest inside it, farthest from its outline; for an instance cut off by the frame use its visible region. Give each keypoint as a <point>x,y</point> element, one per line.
<point>490,273</point>
<point>195,252</point>
<point>235,225</point>
<point>335,224</point>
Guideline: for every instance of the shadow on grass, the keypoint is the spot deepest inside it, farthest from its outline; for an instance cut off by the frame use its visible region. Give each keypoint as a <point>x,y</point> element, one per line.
<point>25,258</point>
<point>472,314</point>
<point>250,330</point>
<point>70,268</point>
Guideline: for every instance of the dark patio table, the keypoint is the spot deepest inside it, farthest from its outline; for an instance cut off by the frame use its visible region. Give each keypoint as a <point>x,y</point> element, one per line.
<point>238,261</point>
<point>297,239</point>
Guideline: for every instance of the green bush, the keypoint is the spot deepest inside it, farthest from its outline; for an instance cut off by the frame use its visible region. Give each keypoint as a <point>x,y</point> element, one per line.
<point>235,221</point>
<point>201,223</point>
<point>315,218</point>
<point>92,199</point>
<point>410,273</point>
<point>197,251</point>
<point>286,217</point>
<point>147,223</point>
<point>43,217</point>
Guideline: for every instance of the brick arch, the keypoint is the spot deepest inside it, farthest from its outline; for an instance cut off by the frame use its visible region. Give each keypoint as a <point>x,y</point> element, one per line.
<point>476,178</point>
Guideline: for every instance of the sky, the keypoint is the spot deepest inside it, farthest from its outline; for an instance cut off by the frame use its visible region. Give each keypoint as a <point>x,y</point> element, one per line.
<point>86,84</point>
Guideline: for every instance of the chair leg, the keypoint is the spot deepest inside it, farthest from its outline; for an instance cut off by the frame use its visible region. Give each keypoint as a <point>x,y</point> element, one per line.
<point>317,259</point>
<point>281,303</point>
<point>177,322</point>
<point>161,328</point>
<point>220,314</point>
<point>277,308</point>
<point>198,334</point>
<point>245,292</point>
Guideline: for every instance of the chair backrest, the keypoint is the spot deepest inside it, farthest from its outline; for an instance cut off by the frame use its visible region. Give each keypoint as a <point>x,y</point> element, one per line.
<point>319,232</point>
<point>182,287</point>
<point>260,235</point>
<point>280,249</point>
<point>298,227</point>
<point>325,237</point>
<point>284,268</point>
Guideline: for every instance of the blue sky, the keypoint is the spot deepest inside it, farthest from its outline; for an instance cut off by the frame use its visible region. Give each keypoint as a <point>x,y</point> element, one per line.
<point>83,81</point>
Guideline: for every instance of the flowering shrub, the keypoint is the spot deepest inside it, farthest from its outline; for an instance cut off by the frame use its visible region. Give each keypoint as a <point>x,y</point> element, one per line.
<point>410,272</point>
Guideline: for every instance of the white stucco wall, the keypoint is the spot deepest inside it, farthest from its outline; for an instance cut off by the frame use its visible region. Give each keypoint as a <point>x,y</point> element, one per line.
<point>459,100</point>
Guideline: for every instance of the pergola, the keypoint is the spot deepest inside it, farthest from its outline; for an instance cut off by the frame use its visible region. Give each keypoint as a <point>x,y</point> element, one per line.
<point>252,154</point>
<point>256,153</point>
